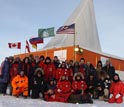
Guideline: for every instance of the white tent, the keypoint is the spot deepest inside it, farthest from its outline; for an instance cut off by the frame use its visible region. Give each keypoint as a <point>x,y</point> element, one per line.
<point>85,27</point>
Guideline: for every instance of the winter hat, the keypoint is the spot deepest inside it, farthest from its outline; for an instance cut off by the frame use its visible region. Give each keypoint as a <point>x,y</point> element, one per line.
<point>42,57</point>
<point>47,58</point>
<point>117,76</point>
<point>11,58</point>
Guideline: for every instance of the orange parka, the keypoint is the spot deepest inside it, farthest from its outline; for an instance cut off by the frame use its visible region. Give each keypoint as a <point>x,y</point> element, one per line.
<point>19,82</point>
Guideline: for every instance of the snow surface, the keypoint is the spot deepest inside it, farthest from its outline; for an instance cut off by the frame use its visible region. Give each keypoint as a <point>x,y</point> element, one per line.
<point>10,101</point>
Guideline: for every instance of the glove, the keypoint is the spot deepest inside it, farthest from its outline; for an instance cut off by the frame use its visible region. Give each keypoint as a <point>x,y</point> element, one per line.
<point>82,92</point>
<point>111,95</point>
<point>72,91</point>
<point>53,96</point>
<point>117,96</point>
<point>40,95</point>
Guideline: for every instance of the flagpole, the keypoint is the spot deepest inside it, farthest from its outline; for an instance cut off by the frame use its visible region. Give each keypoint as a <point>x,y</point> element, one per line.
<point>63,42</point>
<point>36,48</point>
<point>46,53</point>
<point>74,44</point>
<point>32,48</point>
<point>25,51</point>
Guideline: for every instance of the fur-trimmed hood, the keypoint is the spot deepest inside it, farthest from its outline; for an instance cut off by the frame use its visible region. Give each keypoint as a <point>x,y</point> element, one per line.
<point>39,70</point>
<point>78,74</point>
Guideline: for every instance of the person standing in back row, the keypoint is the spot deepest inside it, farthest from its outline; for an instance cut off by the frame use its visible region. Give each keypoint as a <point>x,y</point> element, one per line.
<point>4,77</point>
<point>109,69</point>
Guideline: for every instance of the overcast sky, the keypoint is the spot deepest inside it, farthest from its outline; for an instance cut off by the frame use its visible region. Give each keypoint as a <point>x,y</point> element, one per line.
<point>20,20</point>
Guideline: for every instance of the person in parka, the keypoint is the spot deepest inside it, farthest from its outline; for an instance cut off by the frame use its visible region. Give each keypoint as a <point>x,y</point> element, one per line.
<point>109,69</point>
<point>99,89</point>
<point>39,84</point>
<point>51,89</point>
<point>102,89</point>
<point>91,84</point>
<point>63,90</point>
<point>116,90</point>
<point>49,69</point>
<point>63,70</point>
<point>4,76</point>
<point>79,87</point>
<point>78,83</point>
<point>20,85</point>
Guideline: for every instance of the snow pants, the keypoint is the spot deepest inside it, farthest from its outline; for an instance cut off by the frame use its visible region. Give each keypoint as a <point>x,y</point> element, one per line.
<point>17,91</point>
<point>116,100</point>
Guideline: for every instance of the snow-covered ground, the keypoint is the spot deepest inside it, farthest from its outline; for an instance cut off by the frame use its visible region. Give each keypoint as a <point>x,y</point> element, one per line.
<point>10,101</point>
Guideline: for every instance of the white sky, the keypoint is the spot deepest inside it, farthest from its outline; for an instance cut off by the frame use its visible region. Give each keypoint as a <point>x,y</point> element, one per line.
<point>20,20</point>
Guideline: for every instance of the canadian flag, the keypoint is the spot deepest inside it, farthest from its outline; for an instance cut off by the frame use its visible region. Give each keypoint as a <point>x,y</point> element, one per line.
<point>15,45</point>
<point>27,46</point>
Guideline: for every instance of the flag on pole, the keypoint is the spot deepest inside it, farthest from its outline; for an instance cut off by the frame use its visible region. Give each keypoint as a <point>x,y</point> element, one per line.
<point>36,40</point>
<point>34,46</point>
<point>68,29</point>
<point>27,46</point>
<point>15,45</point>
<point>44,33</point>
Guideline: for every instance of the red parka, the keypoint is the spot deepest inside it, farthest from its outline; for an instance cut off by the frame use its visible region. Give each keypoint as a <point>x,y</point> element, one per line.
<point>13,71</point>
<point>117,88</point>
<point>49,71</point>
<point>63,71</point>
<point>63,90</point>
<point>79,85</point>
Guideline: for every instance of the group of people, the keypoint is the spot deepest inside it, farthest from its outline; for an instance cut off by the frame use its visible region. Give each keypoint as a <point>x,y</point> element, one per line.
<point>61,81</point>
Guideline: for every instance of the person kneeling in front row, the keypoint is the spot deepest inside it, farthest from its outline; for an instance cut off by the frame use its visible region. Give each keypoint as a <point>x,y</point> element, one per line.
<point>116,90</point>
<point>20,85</point>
